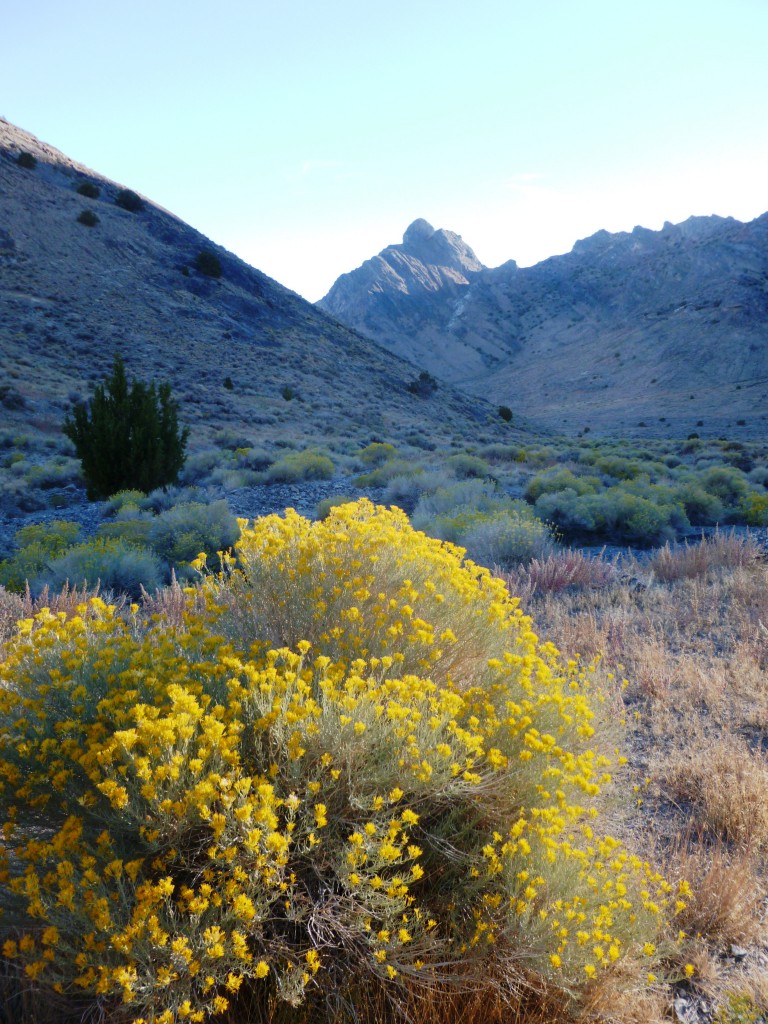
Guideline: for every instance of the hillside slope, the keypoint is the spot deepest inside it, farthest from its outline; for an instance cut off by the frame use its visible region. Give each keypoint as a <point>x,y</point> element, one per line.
<point>71,295</point>
<point>658,331</point>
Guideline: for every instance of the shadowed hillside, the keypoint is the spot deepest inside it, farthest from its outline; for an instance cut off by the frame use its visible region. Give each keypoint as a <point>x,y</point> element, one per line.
<point>82,277</point>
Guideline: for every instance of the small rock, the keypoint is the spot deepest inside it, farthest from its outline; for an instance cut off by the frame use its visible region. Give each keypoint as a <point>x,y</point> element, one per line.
<point>738,952</point>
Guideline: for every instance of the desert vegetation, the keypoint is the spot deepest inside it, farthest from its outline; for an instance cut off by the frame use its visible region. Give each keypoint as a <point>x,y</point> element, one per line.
<point>328,771</point>
<point>297,795</point>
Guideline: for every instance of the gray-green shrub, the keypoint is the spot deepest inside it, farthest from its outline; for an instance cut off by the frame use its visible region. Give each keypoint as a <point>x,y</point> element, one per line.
<point>37,544</point>
<point>179,534</point>
<point>614,515</point>
<point>113,564</point>
<point>468,466</point>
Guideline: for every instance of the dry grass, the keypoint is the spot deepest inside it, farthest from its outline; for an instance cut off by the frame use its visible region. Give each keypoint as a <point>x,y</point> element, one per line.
<point>726,784</point>
<point>562,570</point>
<point>23,606</point>
<point>727,890</point>
<point>688,630</point>
<point>717,551</point>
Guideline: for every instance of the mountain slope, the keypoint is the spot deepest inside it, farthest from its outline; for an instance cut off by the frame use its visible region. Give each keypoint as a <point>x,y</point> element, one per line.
<point>667,328</point>
<point>71,295</point>
<point>406,296</point>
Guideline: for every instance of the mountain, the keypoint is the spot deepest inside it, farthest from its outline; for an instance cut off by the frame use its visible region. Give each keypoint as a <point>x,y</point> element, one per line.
<point>642,331</point>
<point>82,277</point>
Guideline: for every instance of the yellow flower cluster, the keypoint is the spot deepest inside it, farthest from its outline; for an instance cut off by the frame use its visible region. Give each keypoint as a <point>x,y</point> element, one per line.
<point>354,742</point>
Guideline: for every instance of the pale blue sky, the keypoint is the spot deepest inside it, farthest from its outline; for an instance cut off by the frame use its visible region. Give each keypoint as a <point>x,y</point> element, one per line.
<point>306,136</point>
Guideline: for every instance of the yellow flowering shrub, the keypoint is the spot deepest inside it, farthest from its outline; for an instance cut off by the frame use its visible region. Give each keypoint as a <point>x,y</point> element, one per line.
<point>354,764</point>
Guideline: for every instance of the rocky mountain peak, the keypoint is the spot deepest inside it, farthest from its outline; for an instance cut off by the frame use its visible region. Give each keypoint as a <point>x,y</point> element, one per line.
<point>420,231</point>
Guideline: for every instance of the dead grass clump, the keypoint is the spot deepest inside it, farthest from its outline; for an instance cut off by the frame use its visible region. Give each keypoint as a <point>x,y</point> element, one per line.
<point>11,610</point>
<point>561,570</point>
<point>725,903</point>
<point>716,551</point>
<point>727,784</point>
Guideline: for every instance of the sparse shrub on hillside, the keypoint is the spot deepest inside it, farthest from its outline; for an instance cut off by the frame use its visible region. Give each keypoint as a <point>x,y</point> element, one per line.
<point>208,264</point>
<point>26,160</point>
<point>112,564</point>
<point>466,466</point>
<point>131,526</point>
<point>296,466</point>
<point>253,458</point>
<point>500,452</point>
<point>127,437</point>
<point>616,466</point>
<point>199,466</point>
<point>505,413</point>
<point>88,218</point>
<point>405,491</point>
<point>727,483</point>
<point>89,190</point>
<point>494,529</point>
<point>470,496</point>
<point>701,507</point>
<point>326,506</point>
<point>128,200</point>
<point>376,453</point>
<point>424,385</point>
<point>381,475</point>
<point>128,498</point>
<point>57,473</point>
<point>10,398</point>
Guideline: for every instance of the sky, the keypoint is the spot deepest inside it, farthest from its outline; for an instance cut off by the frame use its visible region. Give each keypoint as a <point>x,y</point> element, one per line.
<point>306,136</point>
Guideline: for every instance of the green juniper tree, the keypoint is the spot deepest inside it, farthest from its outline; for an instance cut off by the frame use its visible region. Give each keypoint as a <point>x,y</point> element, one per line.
<point>127,436</point>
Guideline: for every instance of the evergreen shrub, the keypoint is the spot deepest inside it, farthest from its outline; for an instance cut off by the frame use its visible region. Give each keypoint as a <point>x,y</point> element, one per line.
<point>87,218</point>
<point>347,770</point>
<point>614,515</point>
<point>209,264</point>
<point>127,437</point>
<point>424,385</point>
<point>128,200</point>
